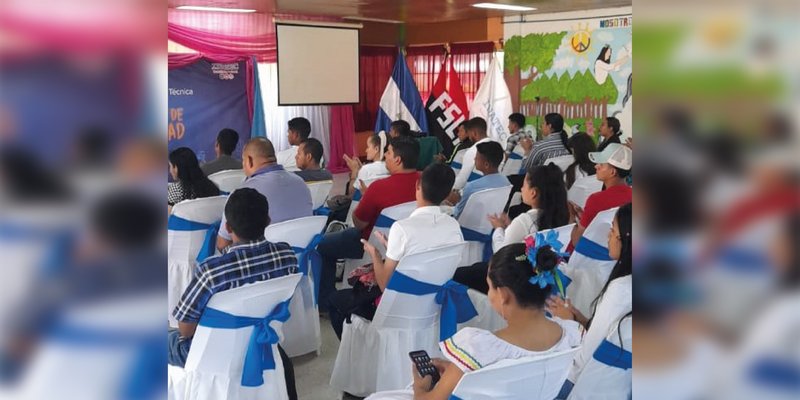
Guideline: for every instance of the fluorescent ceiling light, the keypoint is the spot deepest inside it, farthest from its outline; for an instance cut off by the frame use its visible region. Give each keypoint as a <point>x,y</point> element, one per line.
<point>507,7</point>
<point>220,9</point>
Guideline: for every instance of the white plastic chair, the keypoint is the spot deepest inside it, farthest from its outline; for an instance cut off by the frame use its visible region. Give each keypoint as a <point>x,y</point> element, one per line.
<point>373,356</point>
<point>383,224</point>
<point>228,181</point>
<point>583,188</point>
<point>302,329</point>
<point>183,246</point>
<point>215,361</point>
<point>457,160</point>
<point>605,376</point>
<point>488,318</point>
<point>530,378</point>
<point>589,266</point>
<point>514,162</point>
<point>319,193</point>
<point>474,218</point>
<point>357,198</point>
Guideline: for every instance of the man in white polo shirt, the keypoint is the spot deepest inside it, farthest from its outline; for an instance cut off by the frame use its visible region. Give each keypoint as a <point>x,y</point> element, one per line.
<point>476,129</point>
<point>426,228</point>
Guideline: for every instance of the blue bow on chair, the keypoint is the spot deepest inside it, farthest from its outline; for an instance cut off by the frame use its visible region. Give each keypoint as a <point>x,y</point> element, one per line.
<point>259,355</point>
<point>310,255</point>
<point>452,296</point>
<point>209,247</point>
<point>475,236</point>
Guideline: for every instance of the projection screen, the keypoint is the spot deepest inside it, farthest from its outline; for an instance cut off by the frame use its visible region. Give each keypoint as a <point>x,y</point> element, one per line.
<point>317,64</point>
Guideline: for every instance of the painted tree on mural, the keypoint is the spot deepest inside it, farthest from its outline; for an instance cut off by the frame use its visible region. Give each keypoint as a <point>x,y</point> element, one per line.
<point>532,54</point>
<point>577,96</point>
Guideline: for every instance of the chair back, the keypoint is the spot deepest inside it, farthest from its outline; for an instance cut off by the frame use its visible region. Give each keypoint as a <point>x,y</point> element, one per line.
<point>183,246</point>
<point>589,265</point>
<point>480,205</point>
<point>513,163</point>
<point>357,197</point>
<point>533,378</point>
<point>561,161</point>
<point>583,188</point>
<point>608,373</point>
<point>388,217</point>
<point>228,181</point>
<point>222,351</point>
<point>319,192</point>
<point>457,160</point>
<point>405,311</point>
<point>297,232</point>
<point>563,233</point>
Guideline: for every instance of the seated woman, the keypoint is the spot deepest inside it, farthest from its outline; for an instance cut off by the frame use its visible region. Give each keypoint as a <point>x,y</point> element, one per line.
<point>515,292</point>
<point>614,301</point>
<point>543,189</point>
<point>376,146</point>
<point>581,145</point>
<point>190,181</point>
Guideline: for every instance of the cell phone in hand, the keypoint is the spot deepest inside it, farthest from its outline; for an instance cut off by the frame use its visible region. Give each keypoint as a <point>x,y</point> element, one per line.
<point>424,365</point>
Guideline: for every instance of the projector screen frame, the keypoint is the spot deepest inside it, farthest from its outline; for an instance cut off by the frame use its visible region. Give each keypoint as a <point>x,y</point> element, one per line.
<point>356,27</point>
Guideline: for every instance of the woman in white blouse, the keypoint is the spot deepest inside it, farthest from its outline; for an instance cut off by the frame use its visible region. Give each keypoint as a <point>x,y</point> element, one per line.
<point>376,145</point>
<point>544,191</point>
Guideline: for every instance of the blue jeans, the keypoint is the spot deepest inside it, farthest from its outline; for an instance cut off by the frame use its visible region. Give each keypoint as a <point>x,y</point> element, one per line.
<point>336,245</point>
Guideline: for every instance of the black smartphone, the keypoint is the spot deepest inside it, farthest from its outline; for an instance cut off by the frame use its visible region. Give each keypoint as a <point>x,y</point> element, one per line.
<point>424,365</point>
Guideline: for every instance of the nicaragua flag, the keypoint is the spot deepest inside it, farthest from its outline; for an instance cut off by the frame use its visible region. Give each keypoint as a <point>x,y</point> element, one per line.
<point>447,106</point>
<point>401,100</point>
<point>493,103</point>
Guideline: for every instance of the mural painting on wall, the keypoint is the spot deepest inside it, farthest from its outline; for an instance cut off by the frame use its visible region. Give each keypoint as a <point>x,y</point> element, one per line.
<point>584,74</point>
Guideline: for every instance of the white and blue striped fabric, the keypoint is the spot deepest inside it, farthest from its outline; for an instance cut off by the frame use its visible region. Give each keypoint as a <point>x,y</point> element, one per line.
<point>401,100</point>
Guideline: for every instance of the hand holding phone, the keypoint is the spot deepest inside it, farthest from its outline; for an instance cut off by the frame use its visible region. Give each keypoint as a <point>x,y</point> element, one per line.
<point>424,365</point>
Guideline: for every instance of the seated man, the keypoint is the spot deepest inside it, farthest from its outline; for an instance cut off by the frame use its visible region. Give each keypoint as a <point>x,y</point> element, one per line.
<point>487,161</point>
<point>288,196</point>
<point>227,139</point>
<point>251,259</point>
<point>398,188</point>
<point>309,155</point>
<point>516,125</point>
<point>476,129</point>
<point>298,132</point>
<point>399,128</point>
<point>427,228</point>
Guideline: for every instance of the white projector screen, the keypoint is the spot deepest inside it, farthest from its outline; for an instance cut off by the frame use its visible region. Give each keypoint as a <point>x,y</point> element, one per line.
<point>317,65</point>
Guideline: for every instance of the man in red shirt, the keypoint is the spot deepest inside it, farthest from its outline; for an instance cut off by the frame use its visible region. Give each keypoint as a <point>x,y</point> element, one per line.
<point>613,166</point>
<point>399,187</point>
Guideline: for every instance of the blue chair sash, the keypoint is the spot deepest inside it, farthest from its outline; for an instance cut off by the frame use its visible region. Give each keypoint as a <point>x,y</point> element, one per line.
<point>310,256</point>
<point>592,250</point>
<point>322,210</point>
<point>475,236</point>
<point>474,176</point>
<point>209,247</point>
<point>384,222</point>
<point>456,165</point>
<point>357,195</point>
<point>259,356</point>
<point>454,397</point>
<point>452,296</point>
<point>145,376</point>
<point>612,355</point>
<point>515,156</point>
<point>776,373</point>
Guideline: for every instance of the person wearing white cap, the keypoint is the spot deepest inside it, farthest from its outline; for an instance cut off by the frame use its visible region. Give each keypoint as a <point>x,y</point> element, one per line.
<point>613,166</point>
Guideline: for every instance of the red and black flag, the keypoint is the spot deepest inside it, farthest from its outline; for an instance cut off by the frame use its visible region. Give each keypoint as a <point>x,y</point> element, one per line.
<point>446,106</point>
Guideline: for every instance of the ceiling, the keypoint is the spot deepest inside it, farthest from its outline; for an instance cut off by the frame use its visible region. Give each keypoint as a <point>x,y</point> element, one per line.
<point>411,11</point>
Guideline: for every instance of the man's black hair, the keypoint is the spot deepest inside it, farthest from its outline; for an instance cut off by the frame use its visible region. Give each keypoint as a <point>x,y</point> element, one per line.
<point>247,213</point>
<point>407,148</point>
<point>227,139</point>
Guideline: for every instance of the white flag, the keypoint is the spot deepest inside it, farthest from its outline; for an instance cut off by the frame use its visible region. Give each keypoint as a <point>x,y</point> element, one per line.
<point>493,103</point>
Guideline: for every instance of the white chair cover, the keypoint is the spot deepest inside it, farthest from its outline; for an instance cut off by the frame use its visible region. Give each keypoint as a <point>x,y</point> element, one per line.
<point>228,181</point>
<point>605,377</point>
<point>474,218</point>
<point>357,197</point>
<point>100,355</point>
<point>183,246</point>
<point>488,318</point>
<point>513,164</point>
<point>583,188</point>
<point>561,161</point>
<point>383,224</point>
<point>373,356</point>
<point>319,193</point>
<point>302,332</point>
<point>589,270</point>
<point>457,160</point>
<point>216,357</point>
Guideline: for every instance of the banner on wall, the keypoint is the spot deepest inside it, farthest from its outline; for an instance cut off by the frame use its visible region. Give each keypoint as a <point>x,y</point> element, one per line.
<point>401,100</point>
<point>204,98</point>
<point>446,106</point>
<point>493,103</point>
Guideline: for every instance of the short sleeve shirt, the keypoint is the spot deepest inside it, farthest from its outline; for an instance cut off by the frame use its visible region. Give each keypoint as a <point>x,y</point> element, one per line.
<point>391,191</point>
<point>426,228</point>
<point>614,196</point>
